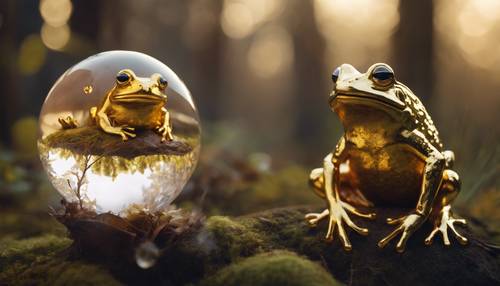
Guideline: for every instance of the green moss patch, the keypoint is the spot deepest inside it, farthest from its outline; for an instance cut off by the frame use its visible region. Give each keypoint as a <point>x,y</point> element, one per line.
<point>274,268</point>
<point>18,255</point>
<point>42,261</point>
<point>234,238</point>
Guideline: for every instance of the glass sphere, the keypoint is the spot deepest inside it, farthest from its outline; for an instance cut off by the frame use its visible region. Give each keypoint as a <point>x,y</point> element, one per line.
<point>119,131</point>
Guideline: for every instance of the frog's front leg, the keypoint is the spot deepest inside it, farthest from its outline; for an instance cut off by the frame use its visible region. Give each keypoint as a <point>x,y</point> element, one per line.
<point>165,129</point>
<point>326,183</point>
<point>434,167</point>
<point>442,214</point>
<point>102,120</point>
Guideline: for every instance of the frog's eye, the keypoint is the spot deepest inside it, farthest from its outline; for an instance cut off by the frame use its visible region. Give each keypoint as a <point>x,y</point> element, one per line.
<point>383,76</point>
<point>335,74</point>
<point>162,82</point>
<point>122,78</point>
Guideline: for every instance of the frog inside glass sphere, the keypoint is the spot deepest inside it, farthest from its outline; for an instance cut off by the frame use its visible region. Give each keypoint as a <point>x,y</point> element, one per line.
<point>119,131</point>
<point>389,155</point>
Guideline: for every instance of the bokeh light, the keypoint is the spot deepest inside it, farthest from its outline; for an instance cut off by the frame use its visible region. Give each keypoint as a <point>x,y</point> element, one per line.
<point>473,27</point>
<point>56,12</point>
<point>355,30</point>
<point>237,21</point>
<point>55,32</point>
<point>241,18</point>
<point>55,38</point>
<point>31,55</point>
<point>271,52</point>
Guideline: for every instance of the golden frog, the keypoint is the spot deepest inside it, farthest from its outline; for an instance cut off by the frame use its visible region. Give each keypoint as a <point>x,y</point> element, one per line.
<point>390,155</point>
<point>132,103</point>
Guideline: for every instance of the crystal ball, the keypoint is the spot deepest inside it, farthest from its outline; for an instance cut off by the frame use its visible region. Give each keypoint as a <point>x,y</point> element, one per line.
<point>119,132</point>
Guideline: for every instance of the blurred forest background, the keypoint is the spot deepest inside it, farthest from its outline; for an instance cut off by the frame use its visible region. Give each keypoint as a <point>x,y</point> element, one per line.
<point>259,71</point>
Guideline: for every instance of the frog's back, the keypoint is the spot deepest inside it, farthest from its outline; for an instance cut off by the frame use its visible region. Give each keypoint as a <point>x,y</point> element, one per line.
<point>423,120</point>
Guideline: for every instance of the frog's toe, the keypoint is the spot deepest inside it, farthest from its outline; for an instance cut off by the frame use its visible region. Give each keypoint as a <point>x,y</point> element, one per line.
<point>394,221</point>
<point>331,229</point>
<point>383,242</point>
<point>313,218</point>
<point>129,134</point>
<point>351,224</point>
<point>167,137</point>
<point>401,245</point>
<point>442,224</point>
<point>126,133</point>
<point>354,211</point>
<point>128,128</point>
<point>344,238</point>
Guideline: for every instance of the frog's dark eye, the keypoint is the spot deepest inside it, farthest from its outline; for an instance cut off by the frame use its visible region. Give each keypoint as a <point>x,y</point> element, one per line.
<point>162,82</point>
<point>383,76</point>
<point>122,78</point>
<point>335,74</point>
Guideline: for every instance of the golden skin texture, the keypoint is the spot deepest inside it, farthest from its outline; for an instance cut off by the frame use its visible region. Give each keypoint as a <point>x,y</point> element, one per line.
<point>132,103</point>
<point>390,155</point>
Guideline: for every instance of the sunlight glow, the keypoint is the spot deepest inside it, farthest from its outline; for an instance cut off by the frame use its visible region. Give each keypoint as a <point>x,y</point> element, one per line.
<point>355,30</point>
<point>240,18</point>
<point>472,26</point>
<point>271,52</point>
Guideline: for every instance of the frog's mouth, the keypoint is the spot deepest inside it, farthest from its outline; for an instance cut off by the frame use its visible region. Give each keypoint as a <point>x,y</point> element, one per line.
<point>366,98</point>
<point>139,98</point>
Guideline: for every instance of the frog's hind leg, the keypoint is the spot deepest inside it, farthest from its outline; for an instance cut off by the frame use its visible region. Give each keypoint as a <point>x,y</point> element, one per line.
<point>317,182</point>
<point>347,192</point>
<point>442,214</point>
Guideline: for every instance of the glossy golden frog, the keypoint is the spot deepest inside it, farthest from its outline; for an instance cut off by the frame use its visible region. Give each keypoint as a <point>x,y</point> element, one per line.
<point>389,155</point>
<point>132,103</point>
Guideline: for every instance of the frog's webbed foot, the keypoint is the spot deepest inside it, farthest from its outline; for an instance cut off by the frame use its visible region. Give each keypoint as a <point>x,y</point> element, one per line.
<point>166,133</point>
<point>444,221</point>
<point>337,215</point>
<point>68,122</point>
<point>407,226</point>
<point>124,131</point>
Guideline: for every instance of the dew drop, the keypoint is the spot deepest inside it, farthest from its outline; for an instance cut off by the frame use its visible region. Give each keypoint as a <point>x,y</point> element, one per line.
<point>146,255</point>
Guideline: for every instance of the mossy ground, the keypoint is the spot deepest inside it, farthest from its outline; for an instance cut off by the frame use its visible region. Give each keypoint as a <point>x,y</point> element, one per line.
<point>252,250</point>
<point>43,261</point>
<point>272,268</point>
<point>251,243</point>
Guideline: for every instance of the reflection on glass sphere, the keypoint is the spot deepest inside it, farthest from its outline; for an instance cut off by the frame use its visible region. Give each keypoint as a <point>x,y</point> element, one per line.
<point>119,132</point>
